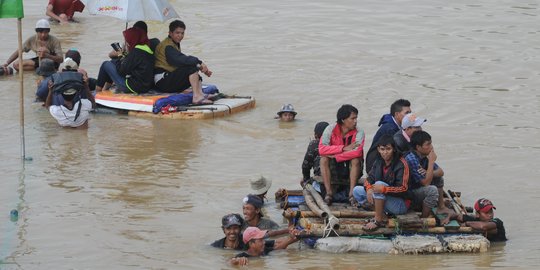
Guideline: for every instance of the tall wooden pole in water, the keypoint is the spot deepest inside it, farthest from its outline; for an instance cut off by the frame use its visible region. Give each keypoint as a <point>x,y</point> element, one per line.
<point>21,84</point>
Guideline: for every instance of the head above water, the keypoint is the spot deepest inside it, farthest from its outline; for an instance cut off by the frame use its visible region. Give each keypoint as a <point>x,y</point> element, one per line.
<point>483,205</point>
<point>253,233</point>
<point>261,185</point>
<point>254,200</point>
<point>287,113</point>
<point>231,220</point>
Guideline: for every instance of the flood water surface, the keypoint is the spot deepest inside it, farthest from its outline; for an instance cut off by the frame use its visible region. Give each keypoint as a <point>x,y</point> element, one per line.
<point>137,193</point>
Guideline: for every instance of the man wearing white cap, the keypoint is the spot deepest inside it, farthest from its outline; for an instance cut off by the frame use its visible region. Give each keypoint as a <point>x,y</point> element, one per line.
<point>43,44</point>
<point>409,124</point>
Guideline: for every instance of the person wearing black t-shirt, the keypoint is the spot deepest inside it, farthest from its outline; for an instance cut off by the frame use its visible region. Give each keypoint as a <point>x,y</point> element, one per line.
<point>231,225</point>
<point>257,246</point>
<point>484,220</point>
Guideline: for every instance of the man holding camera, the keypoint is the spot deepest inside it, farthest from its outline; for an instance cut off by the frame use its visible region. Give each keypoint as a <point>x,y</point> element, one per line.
<point>74,112</point>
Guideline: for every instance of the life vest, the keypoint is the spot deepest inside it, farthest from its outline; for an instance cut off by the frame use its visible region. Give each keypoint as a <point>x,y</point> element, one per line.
<point>161,58</point>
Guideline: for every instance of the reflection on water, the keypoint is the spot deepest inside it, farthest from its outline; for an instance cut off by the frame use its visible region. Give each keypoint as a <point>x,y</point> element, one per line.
<point>148,193</point>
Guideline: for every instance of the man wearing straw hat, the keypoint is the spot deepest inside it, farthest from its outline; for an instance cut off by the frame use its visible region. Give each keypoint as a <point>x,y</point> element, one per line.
<point>260,187</point>
<point>43,44</point>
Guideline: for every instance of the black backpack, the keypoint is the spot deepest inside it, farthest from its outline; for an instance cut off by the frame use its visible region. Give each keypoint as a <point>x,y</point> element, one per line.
<point>66,80</point>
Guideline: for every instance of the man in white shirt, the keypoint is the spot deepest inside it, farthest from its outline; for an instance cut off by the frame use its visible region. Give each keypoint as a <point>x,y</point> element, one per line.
<point>73,112</point>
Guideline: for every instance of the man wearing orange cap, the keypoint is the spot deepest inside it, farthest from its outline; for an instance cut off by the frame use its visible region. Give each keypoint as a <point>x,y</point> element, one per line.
<point>253,237</point>
<point>484,220</point>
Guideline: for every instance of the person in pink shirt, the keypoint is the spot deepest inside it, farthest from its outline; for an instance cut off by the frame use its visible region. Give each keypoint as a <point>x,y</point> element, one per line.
<point>341,149</point>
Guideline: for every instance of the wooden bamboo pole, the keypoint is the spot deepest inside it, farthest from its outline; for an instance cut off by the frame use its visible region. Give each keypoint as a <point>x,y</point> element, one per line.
<point>392,223</point>
<point>21,88</point>
<point>289,213</point>
<point>316,229</point>
<point>310,202</point>
<point>454,204</point>
<point>333,221</point>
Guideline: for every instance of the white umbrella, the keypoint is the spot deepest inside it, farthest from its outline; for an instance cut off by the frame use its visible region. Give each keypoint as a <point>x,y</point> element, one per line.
<point>132,10</point>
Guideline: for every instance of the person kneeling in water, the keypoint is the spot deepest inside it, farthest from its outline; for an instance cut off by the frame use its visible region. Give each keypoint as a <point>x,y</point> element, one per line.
<point>72,113</point>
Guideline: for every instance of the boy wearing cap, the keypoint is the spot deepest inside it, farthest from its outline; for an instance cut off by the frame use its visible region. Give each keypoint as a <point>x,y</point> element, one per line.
<point>484,220</point>
<point>231,225</point>
<point>257,246</point>
<point>287,113</point>
<point>390,123</point>
<point>409,125</point>
<point>312,158</point>
<point>426,182</point>
<point>43,44</point>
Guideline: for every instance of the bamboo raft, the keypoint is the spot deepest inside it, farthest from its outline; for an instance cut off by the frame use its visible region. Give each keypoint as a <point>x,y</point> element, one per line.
<point>409,234</point>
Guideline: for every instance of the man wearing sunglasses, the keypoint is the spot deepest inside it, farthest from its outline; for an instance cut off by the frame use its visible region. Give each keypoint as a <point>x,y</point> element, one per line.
<point>43,44</point>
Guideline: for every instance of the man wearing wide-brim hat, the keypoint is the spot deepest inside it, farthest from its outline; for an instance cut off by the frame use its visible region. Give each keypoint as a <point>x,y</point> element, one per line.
<point>260,187</point>
<point>287,113</point>
<point>43,44</point>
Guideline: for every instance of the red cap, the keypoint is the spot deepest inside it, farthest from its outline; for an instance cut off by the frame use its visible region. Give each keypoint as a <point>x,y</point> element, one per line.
<point>253,233</point>
<point>483,205</point>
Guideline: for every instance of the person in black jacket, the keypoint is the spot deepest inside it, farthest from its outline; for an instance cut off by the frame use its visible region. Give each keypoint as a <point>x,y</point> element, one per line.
<point>386,186</point>
<point>389,124</point>
<point>134,72</point>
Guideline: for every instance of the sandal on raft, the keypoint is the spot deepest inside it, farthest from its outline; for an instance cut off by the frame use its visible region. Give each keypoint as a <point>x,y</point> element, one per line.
<point>373,225</point>
<point>204,101</point>
<point>353,201</point>
<point>367,206</point>
<point>328,199</point>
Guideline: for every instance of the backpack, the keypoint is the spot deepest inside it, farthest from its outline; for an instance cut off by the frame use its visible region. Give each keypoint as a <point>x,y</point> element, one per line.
<point>66,80</point>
